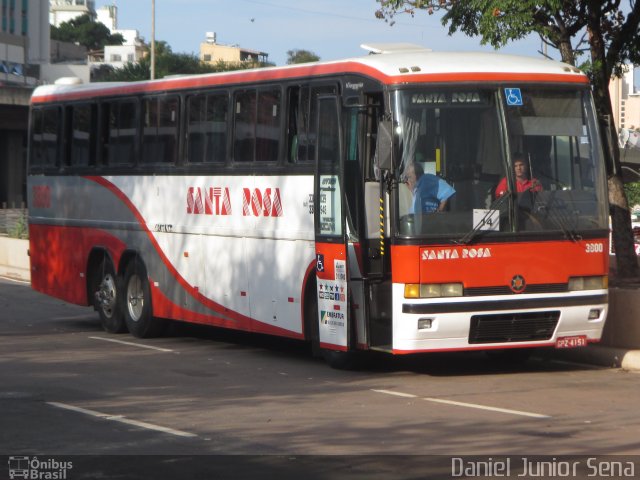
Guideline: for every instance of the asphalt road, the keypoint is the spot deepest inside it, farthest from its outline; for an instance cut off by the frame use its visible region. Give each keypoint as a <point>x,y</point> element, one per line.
<point>204,400</point>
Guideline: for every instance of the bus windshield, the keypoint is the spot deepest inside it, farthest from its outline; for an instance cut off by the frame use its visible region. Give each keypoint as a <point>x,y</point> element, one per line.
<point>495,161</point>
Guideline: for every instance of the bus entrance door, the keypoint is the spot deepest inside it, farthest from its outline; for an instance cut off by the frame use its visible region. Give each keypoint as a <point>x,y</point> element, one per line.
<point>331,248</point>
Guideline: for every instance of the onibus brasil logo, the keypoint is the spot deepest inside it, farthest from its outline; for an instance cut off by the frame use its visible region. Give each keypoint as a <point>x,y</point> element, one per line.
<point>37,469</point>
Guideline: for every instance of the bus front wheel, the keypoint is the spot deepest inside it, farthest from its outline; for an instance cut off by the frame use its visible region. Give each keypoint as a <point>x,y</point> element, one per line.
<point>138,312</point>
<point>106,298</point>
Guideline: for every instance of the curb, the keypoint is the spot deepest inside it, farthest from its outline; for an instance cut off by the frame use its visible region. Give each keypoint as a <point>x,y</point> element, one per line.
<point>612,357</point>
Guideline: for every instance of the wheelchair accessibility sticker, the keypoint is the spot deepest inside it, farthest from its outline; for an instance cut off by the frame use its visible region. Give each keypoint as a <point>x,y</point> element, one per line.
<point>514,97</point>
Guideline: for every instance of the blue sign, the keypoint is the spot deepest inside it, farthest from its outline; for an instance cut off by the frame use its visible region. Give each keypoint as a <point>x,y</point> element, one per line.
<point>319,262</point>
<point>514,97</point>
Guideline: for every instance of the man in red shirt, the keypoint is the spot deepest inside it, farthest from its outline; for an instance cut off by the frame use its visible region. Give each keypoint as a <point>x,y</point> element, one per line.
<point>523,183</point>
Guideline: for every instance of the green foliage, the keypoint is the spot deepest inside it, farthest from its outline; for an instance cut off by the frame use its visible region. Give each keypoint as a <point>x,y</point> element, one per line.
<point>86,32</point>
<point>301,56</point>
<point>20,229</point>
<point>560,23</point>
<point>633,193</point>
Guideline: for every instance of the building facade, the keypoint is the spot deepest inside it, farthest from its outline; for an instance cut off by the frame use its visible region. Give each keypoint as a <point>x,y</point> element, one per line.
<point>24,52</point>
<point>625,99</point>
<point>64,10</point>
<point>212,52</point>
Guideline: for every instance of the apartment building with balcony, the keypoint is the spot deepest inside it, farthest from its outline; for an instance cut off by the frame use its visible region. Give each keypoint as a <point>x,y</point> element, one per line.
<point>212,52</point>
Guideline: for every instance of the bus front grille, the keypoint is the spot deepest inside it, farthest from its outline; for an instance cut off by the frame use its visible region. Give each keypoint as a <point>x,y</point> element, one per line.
<point>505,290</point>
<point>513,327</point>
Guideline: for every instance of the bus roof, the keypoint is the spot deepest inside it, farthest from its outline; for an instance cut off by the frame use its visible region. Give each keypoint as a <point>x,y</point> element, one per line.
<point>397,64</point>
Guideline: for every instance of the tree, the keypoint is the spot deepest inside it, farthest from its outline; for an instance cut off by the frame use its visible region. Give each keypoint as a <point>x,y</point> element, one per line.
<point>84,31</point>
<point>633,193</point>
<point>301,56</point>
<point>601,29</point>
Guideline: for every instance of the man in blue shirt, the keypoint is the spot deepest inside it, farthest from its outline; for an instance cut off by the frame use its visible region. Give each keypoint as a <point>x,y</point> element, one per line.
<point>430,192</point>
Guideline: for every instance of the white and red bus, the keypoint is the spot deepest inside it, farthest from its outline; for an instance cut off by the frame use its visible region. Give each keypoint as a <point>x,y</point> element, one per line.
<point>273,201</point>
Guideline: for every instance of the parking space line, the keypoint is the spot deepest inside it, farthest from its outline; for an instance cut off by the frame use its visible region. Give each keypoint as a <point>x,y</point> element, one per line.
<point>486,407</point>
<point>133,344</point>
<point>396,394</point>
<point>463,404</point>
<point>122,419</point>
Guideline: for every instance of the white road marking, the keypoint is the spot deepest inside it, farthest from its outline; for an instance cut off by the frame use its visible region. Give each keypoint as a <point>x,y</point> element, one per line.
<point>122,419</point>
<point>397,394</point>
<point>133,344</point>
<point>463,404</point>
<point>485,407</point>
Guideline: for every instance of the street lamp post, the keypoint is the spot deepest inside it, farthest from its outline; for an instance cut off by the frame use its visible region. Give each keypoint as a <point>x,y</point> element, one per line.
<point>153,39</point>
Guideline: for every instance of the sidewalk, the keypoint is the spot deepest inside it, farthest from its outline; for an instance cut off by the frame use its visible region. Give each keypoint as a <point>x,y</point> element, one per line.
<point>619,347</point>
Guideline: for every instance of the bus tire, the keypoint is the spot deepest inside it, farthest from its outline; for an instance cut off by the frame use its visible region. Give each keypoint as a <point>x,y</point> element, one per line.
<point>137,307</point>
<point>340,360</point>
<point>106,297</point>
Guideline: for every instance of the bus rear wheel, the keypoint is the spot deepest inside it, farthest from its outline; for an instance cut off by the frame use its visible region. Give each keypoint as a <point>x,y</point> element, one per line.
<point>137,308</point>
<point>106,298</point>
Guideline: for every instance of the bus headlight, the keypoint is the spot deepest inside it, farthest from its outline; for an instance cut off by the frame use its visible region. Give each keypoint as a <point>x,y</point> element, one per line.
<point>588,283</point>
<point>433,290</point>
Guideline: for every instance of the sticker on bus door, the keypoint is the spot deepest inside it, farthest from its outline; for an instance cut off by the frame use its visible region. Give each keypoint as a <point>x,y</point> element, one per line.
<point>332,308</point>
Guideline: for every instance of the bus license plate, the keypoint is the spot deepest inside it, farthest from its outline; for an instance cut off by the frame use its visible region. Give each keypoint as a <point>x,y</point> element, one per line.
<point>571,342</point>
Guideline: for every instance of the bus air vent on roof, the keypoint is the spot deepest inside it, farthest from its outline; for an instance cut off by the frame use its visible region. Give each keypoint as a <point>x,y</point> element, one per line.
<point>393,47</point>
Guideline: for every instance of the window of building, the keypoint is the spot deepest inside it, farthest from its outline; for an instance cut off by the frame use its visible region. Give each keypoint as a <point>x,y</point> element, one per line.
<point>206,57</point>
<point>116,57</point>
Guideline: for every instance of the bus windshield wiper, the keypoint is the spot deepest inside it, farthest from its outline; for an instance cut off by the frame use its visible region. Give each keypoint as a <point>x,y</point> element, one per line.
<point>479,227</point>
<point>553,209</point>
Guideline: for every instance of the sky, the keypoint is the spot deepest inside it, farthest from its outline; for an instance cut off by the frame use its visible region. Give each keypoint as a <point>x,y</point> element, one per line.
<point>332,29</point>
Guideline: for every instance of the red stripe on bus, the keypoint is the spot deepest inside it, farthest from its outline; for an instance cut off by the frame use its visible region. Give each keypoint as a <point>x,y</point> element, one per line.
<point>165,308</point>
<point>496,264</point>
<point>331,346</point>
<point>482,348</point>
<point>290,73</point>
<point>58,257</point>
<point>205,301</point>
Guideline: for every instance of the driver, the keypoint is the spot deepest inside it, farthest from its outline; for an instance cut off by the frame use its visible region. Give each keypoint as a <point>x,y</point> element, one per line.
<point>523,183</point>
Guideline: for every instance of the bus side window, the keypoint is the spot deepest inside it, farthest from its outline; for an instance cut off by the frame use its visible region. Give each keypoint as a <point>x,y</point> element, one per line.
<point>313,117</point>
<point>82,134</point>
<point>207,128</point>
<point>45,136</point>
<point>268,126</point>
<point>160,130</point>
<point>36,156</point>
<point>298,124</point>
<point>293,120</point>
<point>121,118</point>
<point>244,134</point>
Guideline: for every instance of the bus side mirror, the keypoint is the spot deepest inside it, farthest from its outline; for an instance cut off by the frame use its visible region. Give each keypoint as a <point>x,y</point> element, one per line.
<point>384,145</point>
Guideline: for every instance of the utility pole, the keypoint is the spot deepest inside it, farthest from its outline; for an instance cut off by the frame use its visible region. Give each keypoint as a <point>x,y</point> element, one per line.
<point>153,39</point>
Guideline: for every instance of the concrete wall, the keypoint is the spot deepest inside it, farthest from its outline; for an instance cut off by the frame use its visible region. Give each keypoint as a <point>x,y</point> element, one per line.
<point>14,259</point>
<point>51,73</point>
